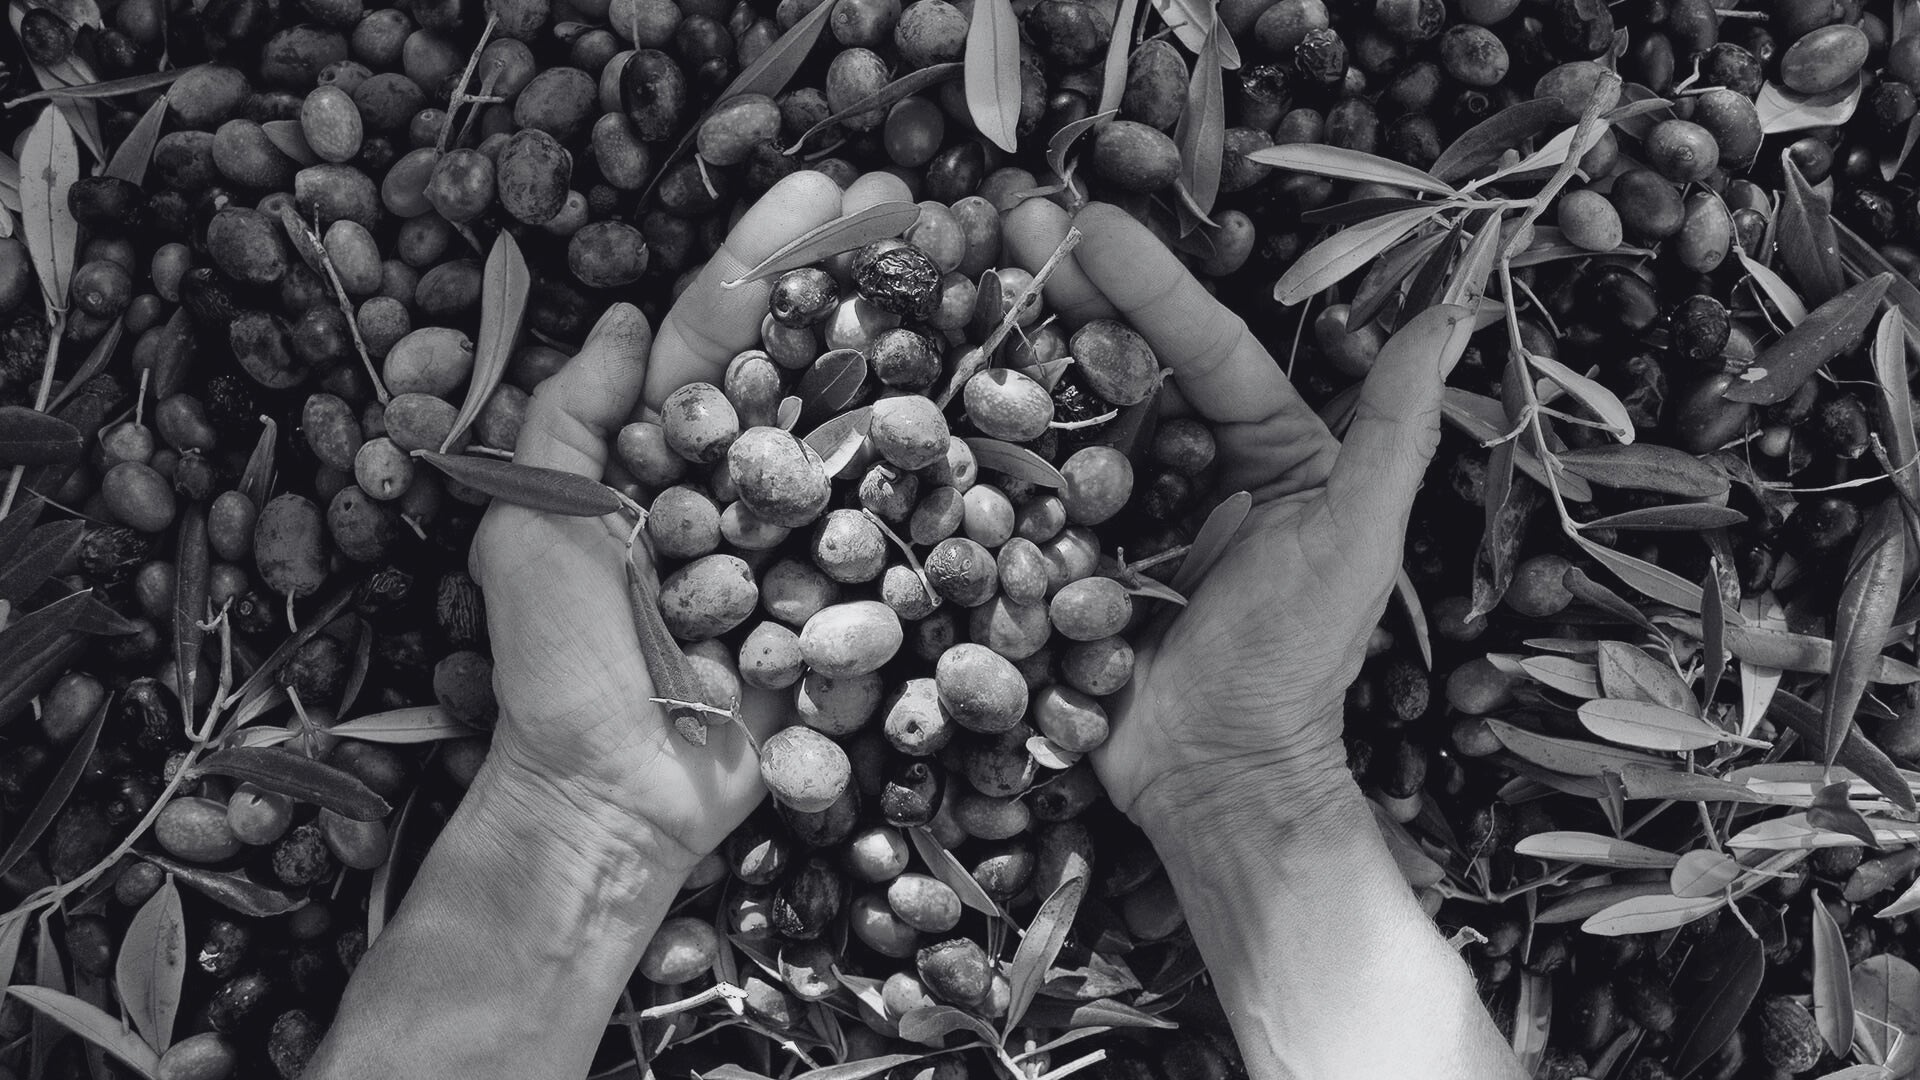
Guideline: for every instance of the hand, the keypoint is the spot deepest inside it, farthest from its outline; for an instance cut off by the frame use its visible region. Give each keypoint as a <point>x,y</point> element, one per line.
<point>1241,692</point>
<point>577,724</point>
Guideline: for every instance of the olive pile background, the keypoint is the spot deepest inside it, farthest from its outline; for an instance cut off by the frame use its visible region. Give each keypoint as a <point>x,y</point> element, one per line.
<point>339,112</point>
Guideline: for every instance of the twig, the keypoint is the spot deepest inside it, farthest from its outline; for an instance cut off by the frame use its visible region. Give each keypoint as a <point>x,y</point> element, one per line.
<point>459,96</point>
<point>976,361</point>
<point>346,309</point>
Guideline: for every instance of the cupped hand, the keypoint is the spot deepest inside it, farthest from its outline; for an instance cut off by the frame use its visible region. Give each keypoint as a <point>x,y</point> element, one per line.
<point>576,716</point>
<point>1240,693</point>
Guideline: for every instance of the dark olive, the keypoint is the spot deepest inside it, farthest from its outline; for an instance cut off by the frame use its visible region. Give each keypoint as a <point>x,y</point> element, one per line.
<point>1699,328</point>
<point>1649,205</point>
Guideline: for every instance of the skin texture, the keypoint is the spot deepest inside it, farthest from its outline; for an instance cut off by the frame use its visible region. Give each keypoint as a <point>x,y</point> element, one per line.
<point>515,941</point>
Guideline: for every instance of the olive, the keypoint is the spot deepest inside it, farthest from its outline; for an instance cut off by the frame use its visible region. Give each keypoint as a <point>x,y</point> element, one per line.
<point>1648,204</point>
<point>1682,151</point>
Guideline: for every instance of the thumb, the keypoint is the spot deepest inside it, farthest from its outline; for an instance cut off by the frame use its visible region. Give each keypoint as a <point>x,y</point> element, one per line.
<point>576,408</point>
<point>1395,429</point>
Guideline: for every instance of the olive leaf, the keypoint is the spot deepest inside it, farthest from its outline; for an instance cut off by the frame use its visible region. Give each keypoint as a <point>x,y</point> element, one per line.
<point>1830,330</point>
<point>1832,809</point>
<point>37,648</point>
<point>300,777</point>
<point>1795,832</point>
<point>1774,287</point>
<point>1409,598</point>
<point>1551,245</point>
<point>503,303</point>
<point>1713,988</point>
<point>110,88</point>
<point>192,570</point>
<point>1210,543</point>
<point>1650,726</point>
<point>1678,517</point>
<point>13,928</point>
<point>1602,402</point>
<point>1593,849</point>
<point>1113,79</point>
<point>291,140</point>
<point>1805,238</point>
<point>1389,273</point>
<point>1202,129</point>
<point>1045,934</point>
<point>881,221</point>
<point>1532,1019</point>
<point>96,362</point>
<point>1069,133</point>
<point>838,441</point>
<point>1867,603</point>
<point>1713,632</point>
<point>1650,914</point>
<point>1894,414</point>
<point>1703,872</point>
<point>1646,578</point>
<point>1481,146</point>
<point>1643,783</point>
<point>1509,510</point>
<point>931,1023</point>
<point>1105,1012</point>
<point>231,890</point>
<point>1190,21</point>
<point>1576,678</point>
<point>55,797</point>
<point>941,864</point>
<point>1781,109</point>
<point>1357,210</point>
<point>1334,259</point>
<point>554,491</point>
<point>859,1069</point>
<point>1886,993</point>
<point>151,965</point>
<point>135,152</point>
<point>1788,651</point>
<point>674,680</point>
<point>1857,753</point>
<point>832,383</point>
<point>905,86</point>
<point>1586,902</point>
<point>1015,461</point>
<point>1646,467</point>
<point>93,1025</point>
<point>1341,164</point>
<point>49,165</point>
<point>256,480</point>
<point>993,72</point>
<point>381,895</point>
<point>37,438</point>
<point>1569,756</point>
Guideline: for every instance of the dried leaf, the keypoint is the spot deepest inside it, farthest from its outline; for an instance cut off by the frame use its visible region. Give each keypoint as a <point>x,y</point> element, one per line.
<point>1805,239</point>
<point>941,864</point>
<point>111,88</point>
<point>131,157</point>
<point>49,165</point>
<point>993,72</point>
<point>1783,110</point>
<point>151,965</point>
<point>1015,461</point>
<point>881,221</point>
<point>551,490</point>
<point>29,831</point>
<point>905,86</point>
<point>1713,990</point>
<point>1202,129</point>
<point>1045,934</point>
<point>1703,872</point>
<point>1481,146</point>
<point>503,303</point>
<point>831,384</point>
<point>1867,603</point>
<point>1646,578</point>
<point>1190,21</point>
<point>93,1025</point>
<point>291,140</point>
<point>1832,981</point>
<point>1650,914</point>
<point>1211,542</point>
<point>1342,164</point>
<point>1565,674</point>
<point>300,777</point>
<point>1569,756</point>
<point>1594,849</point>
<point>1646,467</point>
<point>234,891</point>
<point>1832,329</point>
<point>1652,727</point>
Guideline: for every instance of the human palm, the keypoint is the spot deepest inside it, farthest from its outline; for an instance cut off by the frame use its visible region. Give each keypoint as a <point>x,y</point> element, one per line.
<point>575,695</point>
<point>1245,683</point>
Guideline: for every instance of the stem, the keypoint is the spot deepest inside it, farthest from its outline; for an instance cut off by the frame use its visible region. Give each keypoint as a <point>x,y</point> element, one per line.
<point>459,97</point>
<point>975,362</point>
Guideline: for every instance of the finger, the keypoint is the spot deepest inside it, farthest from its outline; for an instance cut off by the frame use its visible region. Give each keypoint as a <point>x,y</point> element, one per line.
<point>1033,233</point>
<point>1224,372</point>
<point>872,189</point>
<point>574,411</point>
<point>1396,426</point>
<point>710,324</point>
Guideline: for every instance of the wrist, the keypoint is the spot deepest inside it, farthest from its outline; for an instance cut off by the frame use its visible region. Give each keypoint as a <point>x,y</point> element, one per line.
<point>1303,791</point>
